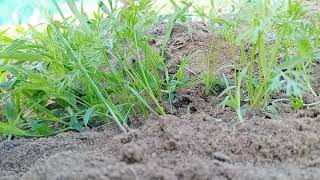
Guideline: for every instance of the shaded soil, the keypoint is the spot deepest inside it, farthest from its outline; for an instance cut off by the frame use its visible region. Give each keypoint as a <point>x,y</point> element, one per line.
<point>198,141</point>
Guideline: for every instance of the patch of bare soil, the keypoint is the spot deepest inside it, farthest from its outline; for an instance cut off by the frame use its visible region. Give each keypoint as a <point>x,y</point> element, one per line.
<point>198,141</point>
<point>194,146</point>
<point>196,41</point>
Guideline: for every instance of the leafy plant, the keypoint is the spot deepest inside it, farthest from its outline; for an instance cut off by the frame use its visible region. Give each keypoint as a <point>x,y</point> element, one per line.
<point>233,98</point>
<point>68,74</point>
<point>84,69</point>
<point>297,103</point>
<point>281,54</point>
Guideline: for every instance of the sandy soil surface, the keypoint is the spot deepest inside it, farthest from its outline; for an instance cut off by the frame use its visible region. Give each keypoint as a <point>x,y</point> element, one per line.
<point>193,146</point>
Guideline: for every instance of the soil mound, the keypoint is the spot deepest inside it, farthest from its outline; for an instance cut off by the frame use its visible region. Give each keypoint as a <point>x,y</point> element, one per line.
<point>195,146</point>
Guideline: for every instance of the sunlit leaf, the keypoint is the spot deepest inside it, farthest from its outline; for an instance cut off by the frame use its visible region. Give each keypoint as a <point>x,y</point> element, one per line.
<point>20,56</point>
<point>10,129</point>
<point>87,116</point>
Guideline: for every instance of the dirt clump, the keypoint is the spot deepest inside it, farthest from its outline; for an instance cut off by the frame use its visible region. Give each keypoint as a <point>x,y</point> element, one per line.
<point>131,153</point>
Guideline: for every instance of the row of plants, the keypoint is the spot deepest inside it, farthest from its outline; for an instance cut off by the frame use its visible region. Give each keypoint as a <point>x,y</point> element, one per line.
<point>83,70</point>
<point>283,49</point>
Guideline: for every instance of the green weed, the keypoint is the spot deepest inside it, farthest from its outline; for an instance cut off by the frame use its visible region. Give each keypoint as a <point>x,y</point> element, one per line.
<point>70,74</point>
<point>83,69</point>
<point>282,52</point>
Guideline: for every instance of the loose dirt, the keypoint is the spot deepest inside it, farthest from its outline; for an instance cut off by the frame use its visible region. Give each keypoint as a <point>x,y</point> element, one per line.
<point>193,146</point>
<point>194,40</point>
<point>198,141</point>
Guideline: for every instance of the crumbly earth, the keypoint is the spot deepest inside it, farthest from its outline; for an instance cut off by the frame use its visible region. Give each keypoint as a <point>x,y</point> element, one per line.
<point>193,146</point>
<point>197,141</point>
<point>195,41</point>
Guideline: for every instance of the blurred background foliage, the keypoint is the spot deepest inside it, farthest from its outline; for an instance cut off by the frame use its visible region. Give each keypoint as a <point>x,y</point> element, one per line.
<point>22,11</point>
<point>18,12</point>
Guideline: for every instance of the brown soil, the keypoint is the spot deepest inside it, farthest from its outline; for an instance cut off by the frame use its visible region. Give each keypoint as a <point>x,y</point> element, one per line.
<point>195,40</point>
<point>198,141</point>
<point>193,146</point>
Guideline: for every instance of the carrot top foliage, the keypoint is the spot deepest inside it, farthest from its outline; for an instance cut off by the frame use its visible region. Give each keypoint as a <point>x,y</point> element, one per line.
<point>82,70</point>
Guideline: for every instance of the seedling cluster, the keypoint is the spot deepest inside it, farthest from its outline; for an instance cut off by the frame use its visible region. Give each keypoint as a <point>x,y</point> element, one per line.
<point>84,70</point>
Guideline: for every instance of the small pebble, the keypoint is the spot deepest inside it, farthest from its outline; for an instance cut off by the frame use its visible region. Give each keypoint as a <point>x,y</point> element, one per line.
<point>171,145</point>
<point>218,120</point>
<point>154,155</point>
<point>212,119</point>
<point>221,157</point>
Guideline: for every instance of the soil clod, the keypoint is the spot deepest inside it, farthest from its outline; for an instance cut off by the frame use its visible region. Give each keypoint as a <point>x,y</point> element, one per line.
<point>312,113</point>
<point>132,153</point>
<point>171,145</point>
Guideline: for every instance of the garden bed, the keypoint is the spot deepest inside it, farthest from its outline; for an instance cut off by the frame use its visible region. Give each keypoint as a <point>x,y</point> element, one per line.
<point>196,140</point>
